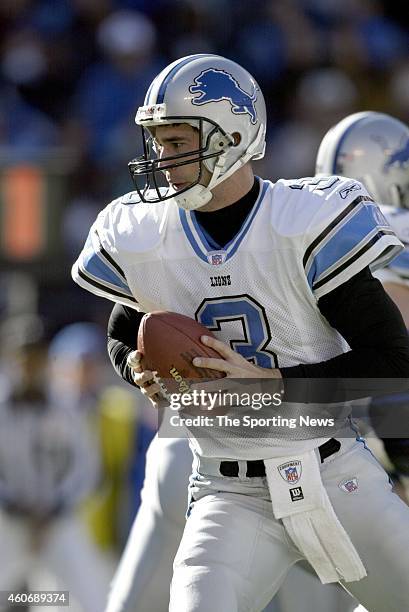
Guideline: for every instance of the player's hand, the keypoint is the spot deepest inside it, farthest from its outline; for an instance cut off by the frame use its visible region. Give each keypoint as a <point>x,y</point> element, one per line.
<point>232,363</point>
<point>242,377</point>
<point>145,380</point>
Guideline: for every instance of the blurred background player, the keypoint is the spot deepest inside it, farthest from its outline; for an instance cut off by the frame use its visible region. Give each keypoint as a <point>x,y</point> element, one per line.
<point>80,380</point>
<point>373,148</point>
<point>142,580</point>
<point>49,462</point>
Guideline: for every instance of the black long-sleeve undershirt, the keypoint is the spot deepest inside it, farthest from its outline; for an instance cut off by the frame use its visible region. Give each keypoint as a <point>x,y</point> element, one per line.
<point>123,328</point>
<point>364,314</point>
<point>360,310</point>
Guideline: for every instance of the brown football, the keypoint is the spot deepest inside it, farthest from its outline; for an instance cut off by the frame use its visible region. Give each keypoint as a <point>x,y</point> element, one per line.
<point>168,342</point>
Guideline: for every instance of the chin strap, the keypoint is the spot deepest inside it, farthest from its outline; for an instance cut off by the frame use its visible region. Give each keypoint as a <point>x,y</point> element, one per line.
<point>199,195</point>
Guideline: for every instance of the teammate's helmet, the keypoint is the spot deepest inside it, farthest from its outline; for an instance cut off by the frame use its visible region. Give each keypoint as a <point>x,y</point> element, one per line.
<point>373,148</point>
<point>219,98</point>
<point>78,341</point>
<point>76,358</point>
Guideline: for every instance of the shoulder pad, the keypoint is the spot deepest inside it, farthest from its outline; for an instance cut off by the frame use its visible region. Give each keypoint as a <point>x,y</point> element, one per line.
<point>128,198</point>
<point>131,225</point>
<point>312,201</point>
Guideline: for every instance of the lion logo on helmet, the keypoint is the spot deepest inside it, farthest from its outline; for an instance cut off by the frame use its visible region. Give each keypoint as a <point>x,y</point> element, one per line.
<point>399,157</point>
<point>216,85</point>
<point>394,158</point>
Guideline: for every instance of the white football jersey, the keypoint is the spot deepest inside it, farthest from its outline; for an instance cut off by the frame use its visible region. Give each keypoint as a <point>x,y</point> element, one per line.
<point>302,239</point>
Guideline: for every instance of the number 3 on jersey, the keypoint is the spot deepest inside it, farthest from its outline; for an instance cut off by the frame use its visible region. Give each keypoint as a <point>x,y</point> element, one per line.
<point>214,312</point>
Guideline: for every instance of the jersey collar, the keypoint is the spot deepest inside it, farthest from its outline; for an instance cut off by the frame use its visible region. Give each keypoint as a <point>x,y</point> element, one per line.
<point>204,246</point>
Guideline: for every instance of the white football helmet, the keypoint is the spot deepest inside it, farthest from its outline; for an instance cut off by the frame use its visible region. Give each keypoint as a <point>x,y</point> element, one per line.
<point>372,148</point>
<point>219,98</point>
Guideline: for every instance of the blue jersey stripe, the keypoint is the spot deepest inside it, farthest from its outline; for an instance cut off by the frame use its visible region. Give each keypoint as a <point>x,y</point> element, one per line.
<point>103,253</point>
<point>360,226</point>
<point>388,251</point>
<point>94,264</point>
<point>208,244</point>
<point>190,236</point>
<point>102,288</point>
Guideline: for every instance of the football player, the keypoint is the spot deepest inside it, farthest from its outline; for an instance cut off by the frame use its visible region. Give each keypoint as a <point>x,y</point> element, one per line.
<point>298,301</point>
<point>49,463</point>
<point>373,148</point>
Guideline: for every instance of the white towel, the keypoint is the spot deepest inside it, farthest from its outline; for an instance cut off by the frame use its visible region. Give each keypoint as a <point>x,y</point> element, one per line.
<point>299,498</point>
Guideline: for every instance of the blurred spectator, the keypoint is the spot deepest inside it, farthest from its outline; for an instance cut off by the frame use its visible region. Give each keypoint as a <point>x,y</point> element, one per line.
<point>322,98</point>
<point>197,26</point>
<point>384,40</point>
<point>24,57</point>
<point>12,12</point>
<point>122,420</point>
<point>303,41</point>
<point>261,48</point>
<point>399,91</point>
<point>52,18</point>
<point>43,67</point>
<point>24,130</point>
<point>364,38</point>
<point>110,90</point>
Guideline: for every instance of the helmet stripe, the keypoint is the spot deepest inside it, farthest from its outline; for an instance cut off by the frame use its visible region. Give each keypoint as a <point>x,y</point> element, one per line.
<point>173,71</point>
<point>148,93</point>
<point>341,142</point>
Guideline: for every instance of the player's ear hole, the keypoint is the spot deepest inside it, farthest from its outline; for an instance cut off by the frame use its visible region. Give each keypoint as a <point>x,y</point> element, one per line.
<point>236,139</point>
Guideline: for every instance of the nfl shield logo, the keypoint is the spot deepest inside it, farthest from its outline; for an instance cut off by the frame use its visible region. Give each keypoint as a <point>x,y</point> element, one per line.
<point>290,471</point>
<point>350,485</point>
<point>216,259</point>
